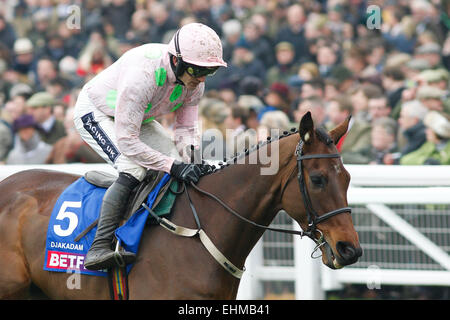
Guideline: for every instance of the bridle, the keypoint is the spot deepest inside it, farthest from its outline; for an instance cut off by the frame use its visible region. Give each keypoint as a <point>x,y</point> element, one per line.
<point>313,217</point>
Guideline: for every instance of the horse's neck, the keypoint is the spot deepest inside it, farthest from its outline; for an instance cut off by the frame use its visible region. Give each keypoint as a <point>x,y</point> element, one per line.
<point>253,195</point>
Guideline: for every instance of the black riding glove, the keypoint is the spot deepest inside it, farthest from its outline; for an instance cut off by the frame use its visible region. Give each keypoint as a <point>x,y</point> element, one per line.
<point>186,172</point>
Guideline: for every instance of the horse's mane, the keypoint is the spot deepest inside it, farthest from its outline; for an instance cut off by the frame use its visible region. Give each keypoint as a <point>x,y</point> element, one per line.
<point>321,133</point>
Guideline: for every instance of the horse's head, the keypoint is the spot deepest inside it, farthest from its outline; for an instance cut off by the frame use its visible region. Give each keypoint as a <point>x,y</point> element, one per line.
<point>315,193</point>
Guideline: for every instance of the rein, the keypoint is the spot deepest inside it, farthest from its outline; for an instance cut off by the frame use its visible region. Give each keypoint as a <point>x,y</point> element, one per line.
<point>313,217</point>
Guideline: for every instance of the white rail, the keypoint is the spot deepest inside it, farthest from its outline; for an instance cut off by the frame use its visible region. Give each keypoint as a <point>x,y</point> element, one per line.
<point>376,189</point>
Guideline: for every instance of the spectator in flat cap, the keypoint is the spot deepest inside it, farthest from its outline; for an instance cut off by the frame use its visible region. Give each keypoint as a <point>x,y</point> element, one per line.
<point>28,146</point>
<point>436,150</point>
<point>430,52</point>
<point>40,106</point>
<point>434,98</point>
<point>434,77</point>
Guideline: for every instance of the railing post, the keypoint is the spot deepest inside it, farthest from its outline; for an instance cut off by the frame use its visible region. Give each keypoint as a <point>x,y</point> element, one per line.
<point>307,270</point>
<point>250,287</point>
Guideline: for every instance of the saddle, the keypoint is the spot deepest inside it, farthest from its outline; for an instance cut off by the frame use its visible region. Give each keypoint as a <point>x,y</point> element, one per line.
<point>161,207</point>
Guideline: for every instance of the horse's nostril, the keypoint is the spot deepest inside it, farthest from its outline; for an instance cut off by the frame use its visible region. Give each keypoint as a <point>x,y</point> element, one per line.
<point>348,252</point>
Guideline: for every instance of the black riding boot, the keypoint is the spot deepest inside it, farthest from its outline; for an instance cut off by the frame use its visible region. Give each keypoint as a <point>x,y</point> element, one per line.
<point>100,255</point>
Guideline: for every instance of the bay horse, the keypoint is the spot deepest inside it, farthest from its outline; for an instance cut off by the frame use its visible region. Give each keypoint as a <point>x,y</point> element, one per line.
<point>310,185</point>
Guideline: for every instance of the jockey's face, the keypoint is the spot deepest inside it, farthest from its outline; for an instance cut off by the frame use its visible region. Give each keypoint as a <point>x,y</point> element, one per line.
<point>190,82</point>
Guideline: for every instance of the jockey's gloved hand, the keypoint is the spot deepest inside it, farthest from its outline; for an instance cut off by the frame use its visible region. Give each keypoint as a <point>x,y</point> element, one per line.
<point>186,172</point>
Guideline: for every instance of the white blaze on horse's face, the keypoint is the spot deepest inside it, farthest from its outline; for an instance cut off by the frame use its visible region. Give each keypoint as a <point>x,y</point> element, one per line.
<point>337,167</point>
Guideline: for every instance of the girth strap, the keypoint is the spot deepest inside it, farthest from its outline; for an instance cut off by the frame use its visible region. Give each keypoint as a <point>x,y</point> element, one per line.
<point>205,240</point>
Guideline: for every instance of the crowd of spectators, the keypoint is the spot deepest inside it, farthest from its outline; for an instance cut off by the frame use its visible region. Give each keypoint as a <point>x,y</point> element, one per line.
<point>284,58</point>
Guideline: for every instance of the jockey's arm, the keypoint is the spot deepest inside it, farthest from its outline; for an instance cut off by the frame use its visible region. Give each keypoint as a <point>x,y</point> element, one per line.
<point>128,121</point>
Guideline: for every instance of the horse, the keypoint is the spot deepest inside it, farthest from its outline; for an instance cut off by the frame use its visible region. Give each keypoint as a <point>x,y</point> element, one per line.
<point>310,185</point>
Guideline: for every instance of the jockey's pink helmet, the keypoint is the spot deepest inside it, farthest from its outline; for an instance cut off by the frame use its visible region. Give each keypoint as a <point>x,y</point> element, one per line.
<point>199,45</point>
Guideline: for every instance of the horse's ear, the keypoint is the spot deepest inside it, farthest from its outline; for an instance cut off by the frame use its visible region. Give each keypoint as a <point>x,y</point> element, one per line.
<point>337,133</point>
<point>306,128</point>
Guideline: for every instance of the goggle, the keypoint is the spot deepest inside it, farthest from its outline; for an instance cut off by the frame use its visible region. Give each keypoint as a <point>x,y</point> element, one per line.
<point>198,72</point>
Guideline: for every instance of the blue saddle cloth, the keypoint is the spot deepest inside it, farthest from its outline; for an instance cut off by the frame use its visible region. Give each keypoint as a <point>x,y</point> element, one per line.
<point>77,208</point>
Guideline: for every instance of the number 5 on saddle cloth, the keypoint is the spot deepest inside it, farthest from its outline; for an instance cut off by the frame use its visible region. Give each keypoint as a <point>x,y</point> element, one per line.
<point>73,221</point>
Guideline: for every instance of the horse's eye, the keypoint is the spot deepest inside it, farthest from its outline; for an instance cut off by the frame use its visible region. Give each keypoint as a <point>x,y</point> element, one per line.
<point>318,181</point>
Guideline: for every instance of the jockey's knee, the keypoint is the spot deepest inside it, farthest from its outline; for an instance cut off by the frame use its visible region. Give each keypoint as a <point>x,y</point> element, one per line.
<point>137,172</point>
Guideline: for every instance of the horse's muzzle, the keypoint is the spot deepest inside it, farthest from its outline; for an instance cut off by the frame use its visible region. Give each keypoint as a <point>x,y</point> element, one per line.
<point>347,253</point>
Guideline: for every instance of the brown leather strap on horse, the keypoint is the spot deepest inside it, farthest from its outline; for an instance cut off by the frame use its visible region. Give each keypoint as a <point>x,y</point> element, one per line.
<point>206,241</point>
<point>300,233</point>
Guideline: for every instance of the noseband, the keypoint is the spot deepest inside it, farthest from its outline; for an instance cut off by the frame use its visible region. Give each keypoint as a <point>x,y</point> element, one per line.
<point>313,218</point>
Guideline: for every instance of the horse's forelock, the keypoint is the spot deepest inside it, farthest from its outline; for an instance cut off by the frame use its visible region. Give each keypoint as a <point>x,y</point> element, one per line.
<point>323,136</point>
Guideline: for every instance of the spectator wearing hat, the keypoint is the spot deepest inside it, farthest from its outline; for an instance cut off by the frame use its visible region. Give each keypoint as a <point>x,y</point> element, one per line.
<point>434,77</point>
<point>430,52</point>
<point>40,106</point>
<point>28,146</point>
<point>285,66</point>
<point>434,98</point>
<point>277,98</point>
<point>436,150</point>
<point>24,61</point>
<point>413,68</point>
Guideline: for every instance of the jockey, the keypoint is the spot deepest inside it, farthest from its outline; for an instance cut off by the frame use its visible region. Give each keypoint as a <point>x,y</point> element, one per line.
<point>115,114</point>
